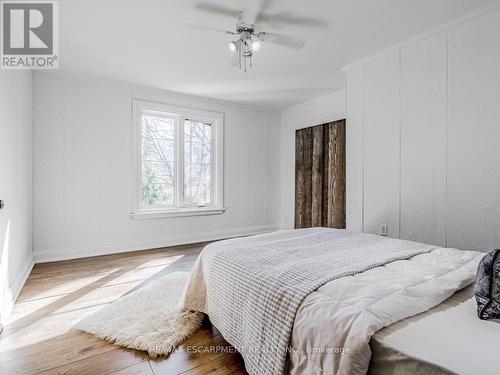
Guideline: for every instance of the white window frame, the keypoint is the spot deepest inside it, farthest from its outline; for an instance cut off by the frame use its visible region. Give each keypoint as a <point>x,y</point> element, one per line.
<point>180,114</point>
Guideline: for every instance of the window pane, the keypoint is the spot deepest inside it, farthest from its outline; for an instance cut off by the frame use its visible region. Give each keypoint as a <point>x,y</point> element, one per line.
<point>158,160</point>
<point>161,172</point>
<point>157,149</point>
<point>197,163</point>
<point>157,127</point>
<point>157,194</point>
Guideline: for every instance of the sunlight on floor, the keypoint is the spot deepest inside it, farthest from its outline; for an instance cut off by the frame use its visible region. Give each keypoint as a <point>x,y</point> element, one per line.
<point>145,270</point>
<point>49,308</point>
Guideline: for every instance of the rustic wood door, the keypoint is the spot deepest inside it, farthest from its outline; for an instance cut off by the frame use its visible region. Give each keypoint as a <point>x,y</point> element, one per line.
<point>320,176</point>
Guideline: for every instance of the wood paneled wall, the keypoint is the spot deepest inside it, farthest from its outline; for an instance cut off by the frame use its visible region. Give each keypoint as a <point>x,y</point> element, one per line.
<point>320,176</point>
<point>423,133</point>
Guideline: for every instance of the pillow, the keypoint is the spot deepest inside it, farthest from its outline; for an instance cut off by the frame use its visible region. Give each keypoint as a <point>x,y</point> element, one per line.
<point>487,288</point>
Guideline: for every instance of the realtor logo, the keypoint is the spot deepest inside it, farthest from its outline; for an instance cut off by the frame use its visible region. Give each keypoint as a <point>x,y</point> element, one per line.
<point>29,37</point>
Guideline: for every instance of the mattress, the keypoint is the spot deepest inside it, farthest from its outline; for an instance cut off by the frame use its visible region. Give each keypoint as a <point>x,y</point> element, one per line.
<point>334,324</point>
<point>447,339</point>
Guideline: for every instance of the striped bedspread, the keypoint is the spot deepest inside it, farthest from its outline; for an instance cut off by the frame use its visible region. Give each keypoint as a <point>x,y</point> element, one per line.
<point>256,284</point>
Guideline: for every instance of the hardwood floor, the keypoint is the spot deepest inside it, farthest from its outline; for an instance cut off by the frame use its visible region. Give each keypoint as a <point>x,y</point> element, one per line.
<point>38,339</point>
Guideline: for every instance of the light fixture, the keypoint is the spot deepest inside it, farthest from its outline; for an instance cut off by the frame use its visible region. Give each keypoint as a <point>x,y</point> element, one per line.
<point>245,48</point>
<point>233,46</point>
<point>247,40</point>
<point>255,45</point>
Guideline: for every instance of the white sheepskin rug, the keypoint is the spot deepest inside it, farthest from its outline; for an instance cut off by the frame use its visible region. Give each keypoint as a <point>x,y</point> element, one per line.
<point>148,319</point>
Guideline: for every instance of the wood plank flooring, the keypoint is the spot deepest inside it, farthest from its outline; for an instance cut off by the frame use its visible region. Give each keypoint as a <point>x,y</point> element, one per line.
<point>38,339</point>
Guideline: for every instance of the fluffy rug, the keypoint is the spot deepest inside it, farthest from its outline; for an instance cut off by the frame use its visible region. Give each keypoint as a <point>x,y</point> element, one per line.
<point>148,319</point>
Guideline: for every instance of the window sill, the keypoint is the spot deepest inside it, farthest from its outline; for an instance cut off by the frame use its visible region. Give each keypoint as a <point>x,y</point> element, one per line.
<point>181,212</point>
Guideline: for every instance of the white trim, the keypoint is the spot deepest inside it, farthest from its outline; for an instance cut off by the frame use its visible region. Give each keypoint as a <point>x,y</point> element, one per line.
<point>179,114</point>
<point>436,30</point>
<point>400,140</point>
<point>446,126</point>
<point>179,162</point>
<point>15,288</point>
<point>180,212</point>
<point>56,254</point>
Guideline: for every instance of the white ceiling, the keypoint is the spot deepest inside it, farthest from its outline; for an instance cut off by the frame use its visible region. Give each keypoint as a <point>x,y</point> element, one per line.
<point>153,43</point>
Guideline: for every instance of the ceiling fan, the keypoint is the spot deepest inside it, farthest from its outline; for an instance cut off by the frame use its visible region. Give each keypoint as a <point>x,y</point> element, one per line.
<point>248,39</point>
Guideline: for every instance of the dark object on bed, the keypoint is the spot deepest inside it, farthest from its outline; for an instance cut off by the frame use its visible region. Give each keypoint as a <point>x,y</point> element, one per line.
<point>488,286</point>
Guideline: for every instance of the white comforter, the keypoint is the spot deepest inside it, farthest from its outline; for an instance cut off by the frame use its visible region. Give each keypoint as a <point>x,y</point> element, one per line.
<point>334,324</point>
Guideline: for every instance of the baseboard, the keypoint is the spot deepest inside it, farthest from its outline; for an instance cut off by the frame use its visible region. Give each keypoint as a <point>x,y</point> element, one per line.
<point>15,288</point>
<point>52,255</point>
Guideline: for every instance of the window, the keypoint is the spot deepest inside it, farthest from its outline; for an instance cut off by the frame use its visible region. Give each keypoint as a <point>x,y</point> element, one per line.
<point>177,161</point>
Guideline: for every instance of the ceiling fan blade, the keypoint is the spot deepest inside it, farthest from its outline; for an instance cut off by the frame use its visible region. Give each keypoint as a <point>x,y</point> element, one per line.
<point>288,19</point>
<point>284,40</point>
<point>216,9</point>
<point>253,11</point>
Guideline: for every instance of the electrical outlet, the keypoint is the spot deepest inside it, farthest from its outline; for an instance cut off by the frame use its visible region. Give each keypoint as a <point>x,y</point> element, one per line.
<point>384,229</point>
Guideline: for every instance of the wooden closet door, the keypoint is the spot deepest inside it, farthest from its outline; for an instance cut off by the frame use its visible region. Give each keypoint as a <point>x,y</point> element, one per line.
<point>320,176</point>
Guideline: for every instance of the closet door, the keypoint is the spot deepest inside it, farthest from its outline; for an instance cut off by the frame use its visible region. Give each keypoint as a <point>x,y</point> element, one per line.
<point>320,176</point>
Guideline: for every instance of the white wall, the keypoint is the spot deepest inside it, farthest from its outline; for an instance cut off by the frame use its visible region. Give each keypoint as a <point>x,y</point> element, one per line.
<point>16,171</point>
<point>424,123</point>
<point>83,171</point>
<point>319,111</point>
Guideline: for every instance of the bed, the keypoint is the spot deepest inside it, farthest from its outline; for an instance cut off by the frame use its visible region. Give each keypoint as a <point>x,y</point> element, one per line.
<point>447,339</point>
<point>311,301</point>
